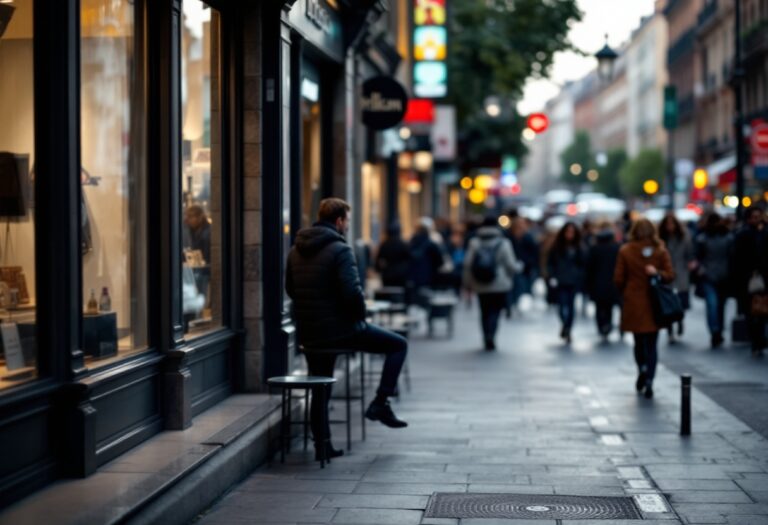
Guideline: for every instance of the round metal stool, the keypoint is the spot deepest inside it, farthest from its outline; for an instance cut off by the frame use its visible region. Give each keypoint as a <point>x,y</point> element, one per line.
<point>287,384</point>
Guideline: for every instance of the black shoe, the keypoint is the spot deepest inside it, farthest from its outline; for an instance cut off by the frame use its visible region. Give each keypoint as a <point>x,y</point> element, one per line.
<point>330,452</point>
<point>648,392</point>
<point>640,383</point>
<point>562,333</point>
<point>717,340</point>
<point>490,345</point>
<point>383,413</point>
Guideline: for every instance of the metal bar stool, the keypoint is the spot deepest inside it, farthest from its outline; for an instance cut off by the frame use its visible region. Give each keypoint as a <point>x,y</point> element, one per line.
<point>318,385</point>
<point>348,397</point>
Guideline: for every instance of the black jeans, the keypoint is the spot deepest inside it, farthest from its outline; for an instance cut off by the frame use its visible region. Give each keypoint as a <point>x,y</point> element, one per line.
<point>604,317</point>
<point>373,340</point>
<point>646,355</point>
<point>566,299</point>
<point>491,305</point>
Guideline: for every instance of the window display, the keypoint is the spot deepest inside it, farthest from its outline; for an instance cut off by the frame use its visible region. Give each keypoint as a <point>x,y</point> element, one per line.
<point>113,180</point>
<point>201,176</point>
<point>18,345</point>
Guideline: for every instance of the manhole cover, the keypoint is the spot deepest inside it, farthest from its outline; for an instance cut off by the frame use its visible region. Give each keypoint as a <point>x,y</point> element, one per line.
<point>532,506</point>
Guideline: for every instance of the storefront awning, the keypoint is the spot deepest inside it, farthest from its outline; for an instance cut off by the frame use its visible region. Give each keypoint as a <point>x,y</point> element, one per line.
<point>723,170</point>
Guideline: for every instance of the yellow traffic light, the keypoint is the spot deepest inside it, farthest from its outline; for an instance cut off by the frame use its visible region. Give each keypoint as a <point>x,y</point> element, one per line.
<point>650,187</point>
<point>700,179</point>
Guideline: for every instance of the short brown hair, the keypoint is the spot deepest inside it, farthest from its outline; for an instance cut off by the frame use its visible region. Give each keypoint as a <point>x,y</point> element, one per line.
<point>332,209</point>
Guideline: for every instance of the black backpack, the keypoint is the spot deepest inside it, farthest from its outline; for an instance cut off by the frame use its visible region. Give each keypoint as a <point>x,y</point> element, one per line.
<point>484,263</point>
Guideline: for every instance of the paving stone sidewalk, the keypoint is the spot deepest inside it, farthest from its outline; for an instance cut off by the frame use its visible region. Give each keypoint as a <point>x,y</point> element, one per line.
<point>533,417</point>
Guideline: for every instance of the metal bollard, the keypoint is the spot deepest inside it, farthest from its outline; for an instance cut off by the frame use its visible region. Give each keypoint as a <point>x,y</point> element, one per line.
<point>685,405</point>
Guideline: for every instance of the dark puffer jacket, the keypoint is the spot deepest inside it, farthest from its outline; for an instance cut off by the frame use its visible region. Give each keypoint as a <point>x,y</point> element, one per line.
<point>322,280</point>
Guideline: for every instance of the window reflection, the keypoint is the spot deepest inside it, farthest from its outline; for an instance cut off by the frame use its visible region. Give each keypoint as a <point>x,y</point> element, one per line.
<point>201,177</point>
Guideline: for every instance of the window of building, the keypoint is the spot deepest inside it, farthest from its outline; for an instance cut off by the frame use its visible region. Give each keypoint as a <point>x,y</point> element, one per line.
<point>201,168</point>
<point>18,348</point>
<point>311,144</point>
<point>113,178</point>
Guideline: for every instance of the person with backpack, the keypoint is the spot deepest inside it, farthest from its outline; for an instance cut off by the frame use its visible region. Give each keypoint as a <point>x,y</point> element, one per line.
<point>489,268</point>
<point>566,265</point>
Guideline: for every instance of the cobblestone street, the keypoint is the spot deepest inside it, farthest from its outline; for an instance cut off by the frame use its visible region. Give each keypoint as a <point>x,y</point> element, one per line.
<point>532,418</point>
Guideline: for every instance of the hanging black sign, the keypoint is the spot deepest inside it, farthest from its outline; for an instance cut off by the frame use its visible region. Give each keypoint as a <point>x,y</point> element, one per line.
<point>383,102</point>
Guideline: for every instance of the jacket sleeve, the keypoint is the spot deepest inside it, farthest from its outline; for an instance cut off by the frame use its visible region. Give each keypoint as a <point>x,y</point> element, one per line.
<point>620,273</point>
<point>666,271</point>
<point>350,290</point>
<point>467,278</point>
<point>511,262</point>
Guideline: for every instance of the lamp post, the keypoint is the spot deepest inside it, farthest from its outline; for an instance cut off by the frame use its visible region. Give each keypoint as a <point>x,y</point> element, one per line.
<point>606,57</point>
<point>737,81</point>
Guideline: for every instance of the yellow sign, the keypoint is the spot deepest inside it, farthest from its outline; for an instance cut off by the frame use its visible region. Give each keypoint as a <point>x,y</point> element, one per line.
<point>429,13</point>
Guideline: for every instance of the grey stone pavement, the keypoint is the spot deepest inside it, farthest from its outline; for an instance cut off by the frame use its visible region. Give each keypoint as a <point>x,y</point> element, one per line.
<point>535,417</point>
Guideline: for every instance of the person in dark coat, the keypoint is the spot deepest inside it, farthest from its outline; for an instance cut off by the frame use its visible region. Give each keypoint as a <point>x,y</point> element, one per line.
<point>394,258</point>
<point>527,252</point>
<point>642,257</point>
<point>329,309</point>
<point>601,262</point>
<point>426,260</point>
<point>750,259</point>
<point>713,249</point>
<point>565,271</point>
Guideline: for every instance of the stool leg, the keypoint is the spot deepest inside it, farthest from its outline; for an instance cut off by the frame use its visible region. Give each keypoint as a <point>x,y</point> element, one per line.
<point>323,443</point>
<point>362,391</point>
<point>306,418</point>
<point>282,427</point>
<point>288,426</point>
<point>407,375</point>
<point>349,408</point>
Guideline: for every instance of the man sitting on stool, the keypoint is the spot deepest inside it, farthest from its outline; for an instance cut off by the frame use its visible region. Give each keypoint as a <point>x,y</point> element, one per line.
<point>329,309</point>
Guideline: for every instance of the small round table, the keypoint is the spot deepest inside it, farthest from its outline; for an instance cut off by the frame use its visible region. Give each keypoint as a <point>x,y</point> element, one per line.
<point>318,386</point>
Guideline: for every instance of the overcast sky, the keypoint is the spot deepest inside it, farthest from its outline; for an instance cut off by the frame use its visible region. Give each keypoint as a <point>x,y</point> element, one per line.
<point>616,17</point>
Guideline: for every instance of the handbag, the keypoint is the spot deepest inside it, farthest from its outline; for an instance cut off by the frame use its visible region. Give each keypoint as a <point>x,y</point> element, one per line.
<point>667,308</point>
<point>758,305</point>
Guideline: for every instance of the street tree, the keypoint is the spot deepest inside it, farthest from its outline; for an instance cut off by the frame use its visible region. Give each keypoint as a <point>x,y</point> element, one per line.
<point>608,175</point>
<point>495,46</point>
<point>577,159</point>
<point>647,165</point>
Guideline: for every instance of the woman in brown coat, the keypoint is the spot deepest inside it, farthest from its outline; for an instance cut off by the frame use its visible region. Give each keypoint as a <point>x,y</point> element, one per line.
<point>643,256</point>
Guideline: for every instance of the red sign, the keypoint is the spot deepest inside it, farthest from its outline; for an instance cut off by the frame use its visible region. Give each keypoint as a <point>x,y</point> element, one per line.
<point>420,110</point>
<point>760,137</point>
<point>538,122</point>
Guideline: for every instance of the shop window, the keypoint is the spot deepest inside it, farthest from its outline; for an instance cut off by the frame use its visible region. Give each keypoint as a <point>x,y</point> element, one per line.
<point>311,156</point>
<point>113,180</point>
<point>18,356</point>
<point>201,169</point>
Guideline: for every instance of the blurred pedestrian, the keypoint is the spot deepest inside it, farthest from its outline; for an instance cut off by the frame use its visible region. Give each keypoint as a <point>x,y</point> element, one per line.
<point>750,272</point>
<point>680,248</point>
<point>527,252</point>
<point>426,260</point>
<point>713,250</point>
<point>565,271</point>
<point>489,269</point>
<point>394,258</point>
<point>643,256</point>
<point>601,263</point>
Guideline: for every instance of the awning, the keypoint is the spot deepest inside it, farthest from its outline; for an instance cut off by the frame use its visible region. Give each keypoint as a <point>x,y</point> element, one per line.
<point>723,170</point>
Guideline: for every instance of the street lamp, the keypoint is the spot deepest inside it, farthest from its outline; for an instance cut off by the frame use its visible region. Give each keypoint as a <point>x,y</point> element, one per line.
<point>606,57</point>
<point>737,81</point>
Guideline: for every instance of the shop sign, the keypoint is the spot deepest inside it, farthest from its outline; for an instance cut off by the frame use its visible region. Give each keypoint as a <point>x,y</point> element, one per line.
<point>760,149</point>
<point>383,102</point>
<point>430,46</point>
<point>319,15</point>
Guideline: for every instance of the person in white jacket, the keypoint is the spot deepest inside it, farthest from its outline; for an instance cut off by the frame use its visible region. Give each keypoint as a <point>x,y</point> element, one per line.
<point>489,269</point>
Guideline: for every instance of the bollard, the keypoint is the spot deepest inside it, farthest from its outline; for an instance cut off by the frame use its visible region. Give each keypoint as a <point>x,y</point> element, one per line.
<point>685,405</point>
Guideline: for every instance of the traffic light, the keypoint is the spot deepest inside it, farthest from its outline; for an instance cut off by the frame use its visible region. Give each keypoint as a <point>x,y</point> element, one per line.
<point>538,122</point>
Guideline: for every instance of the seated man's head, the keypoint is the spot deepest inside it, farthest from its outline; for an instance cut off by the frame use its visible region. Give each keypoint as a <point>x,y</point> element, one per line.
<point>335,211</point>
<point>194,217</point>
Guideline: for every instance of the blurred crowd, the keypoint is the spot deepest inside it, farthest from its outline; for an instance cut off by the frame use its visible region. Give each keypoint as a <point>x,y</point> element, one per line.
<point>611,263</point>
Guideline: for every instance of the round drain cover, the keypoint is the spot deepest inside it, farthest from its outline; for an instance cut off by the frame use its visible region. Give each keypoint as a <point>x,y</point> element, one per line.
<point>537,508</point>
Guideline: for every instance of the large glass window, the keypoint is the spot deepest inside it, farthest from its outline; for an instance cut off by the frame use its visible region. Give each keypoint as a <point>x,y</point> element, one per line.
<point>201,168</point>
<point>18,358</point>
<point>113,177</point>
<point>311,156</point>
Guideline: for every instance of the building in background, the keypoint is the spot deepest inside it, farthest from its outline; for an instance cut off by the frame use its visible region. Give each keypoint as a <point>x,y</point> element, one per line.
<point>611,109</point>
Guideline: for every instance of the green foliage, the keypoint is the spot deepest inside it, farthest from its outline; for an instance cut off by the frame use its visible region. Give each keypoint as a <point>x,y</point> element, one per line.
<point>608,181</point>
<point>579,152</point>
<point>649,164</point>
<point>494,47</point>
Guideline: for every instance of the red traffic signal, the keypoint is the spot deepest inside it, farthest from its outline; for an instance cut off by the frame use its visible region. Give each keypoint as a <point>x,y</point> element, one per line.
<point>538,122</point>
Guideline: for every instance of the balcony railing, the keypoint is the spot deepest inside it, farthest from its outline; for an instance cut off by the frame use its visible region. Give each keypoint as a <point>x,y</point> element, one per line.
<point>707,12</point>
<point>755,40</point>
<point>682,45</point>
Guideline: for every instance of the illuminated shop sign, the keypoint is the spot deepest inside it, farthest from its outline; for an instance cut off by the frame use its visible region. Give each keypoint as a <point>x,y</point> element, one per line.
<point>430,49</point>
